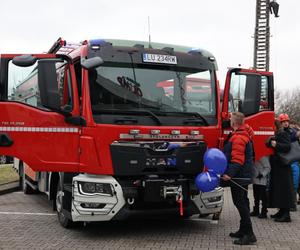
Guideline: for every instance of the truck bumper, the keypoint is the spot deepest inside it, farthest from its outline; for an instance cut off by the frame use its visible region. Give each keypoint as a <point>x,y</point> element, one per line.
<point>104,207</point>
<point>210,202</point>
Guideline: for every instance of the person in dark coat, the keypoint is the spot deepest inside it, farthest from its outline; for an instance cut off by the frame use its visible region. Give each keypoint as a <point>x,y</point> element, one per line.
<point>239,153</point>
<point>274,7</point>
<point>294,132</point>
<point>281,182</point>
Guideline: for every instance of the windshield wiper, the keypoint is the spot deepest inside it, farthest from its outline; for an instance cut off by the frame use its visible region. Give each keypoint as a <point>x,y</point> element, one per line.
<point>193,121</point>
<point>190,120</point>
<point>125,120</point>
<point>130,112</point>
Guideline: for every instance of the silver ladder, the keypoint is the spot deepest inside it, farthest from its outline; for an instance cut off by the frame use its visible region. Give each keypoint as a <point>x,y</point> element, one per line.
<point>262,36</point>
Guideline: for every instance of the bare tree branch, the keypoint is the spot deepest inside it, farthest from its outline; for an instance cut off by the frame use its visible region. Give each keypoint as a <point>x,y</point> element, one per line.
<point>288,102</point>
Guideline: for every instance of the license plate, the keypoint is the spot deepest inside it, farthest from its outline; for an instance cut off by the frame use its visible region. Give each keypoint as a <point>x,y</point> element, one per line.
<point>155,58</point>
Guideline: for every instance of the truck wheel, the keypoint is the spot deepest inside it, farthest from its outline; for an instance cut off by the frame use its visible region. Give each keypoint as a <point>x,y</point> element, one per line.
<point>2,159</point>
<point>63,220</point>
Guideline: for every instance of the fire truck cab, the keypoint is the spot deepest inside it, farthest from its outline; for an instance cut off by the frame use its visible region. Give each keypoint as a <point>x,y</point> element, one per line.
<point>110,129</point>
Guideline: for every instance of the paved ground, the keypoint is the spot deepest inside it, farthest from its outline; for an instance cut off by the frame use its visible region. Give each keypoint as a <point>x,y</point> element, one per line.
<point>27,222</point>
<point>9,187</point>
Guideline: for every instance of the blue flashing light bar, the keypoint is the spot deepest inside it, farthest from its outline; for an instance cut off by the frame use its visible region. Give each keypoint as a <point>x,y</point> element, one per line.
<point>195,51</point>
<point>97,42</point>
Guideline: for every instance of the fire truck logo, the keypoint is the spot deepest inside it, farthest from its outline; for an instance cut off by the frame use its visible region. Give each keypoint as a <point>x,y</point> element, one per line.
<point>156,162</point>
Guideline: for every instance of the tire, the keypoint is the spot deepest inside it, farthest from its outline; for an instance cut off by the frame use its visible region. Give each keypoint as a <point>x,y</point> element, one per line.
<point>3,159</point>
<point>63,220</point>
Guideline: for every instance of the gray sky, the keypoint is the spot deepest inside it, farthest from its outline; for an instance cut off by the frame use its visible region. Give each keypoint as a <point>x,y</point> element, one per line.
<point>224,27</point>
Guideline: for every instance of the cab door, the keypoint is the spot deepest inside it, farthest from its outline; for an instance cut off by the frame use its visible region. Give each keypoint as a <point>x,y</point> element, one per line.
<point>38,99</point>
<point>252,93</point>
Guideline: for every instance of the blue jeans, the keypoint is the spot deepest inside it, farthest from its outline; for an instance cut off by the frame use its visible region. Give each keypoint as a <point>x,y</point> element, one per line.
<point>295,172</point>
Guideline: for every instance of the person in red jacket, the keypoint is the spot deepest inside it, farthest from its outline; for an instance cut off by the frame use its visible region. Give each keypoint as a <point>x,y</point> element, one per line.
<point>238,149</point>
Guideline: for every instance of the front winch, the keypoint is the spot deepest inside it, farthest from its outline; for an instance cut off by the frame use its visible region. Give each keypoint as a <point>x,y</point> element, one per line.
<point>170,192</point>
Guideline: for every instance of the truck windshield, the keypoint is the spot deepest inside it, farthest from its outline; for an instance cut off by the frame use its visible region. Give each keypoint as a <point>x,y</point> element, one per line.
<point>155,89</point>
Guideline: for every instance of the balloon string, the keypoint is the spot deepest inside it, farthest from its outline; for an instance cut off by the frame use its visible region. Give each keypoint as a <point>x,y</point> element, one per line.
<point>208,176</point>
<point>239,185</point>
<point>241,178</point>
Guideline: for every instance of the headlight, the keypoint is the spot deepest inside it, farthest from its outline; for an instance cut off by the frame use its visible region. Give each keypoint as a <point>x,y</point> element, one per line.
<point>214,199</point>
<point>91,188</point>
<point>92,205</point>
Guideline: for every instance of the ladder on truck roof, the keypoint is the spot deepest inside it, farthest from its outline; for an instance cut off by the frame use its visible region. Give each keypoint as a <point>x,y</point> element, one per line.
<point>62,47</point>
<point>262,36</point>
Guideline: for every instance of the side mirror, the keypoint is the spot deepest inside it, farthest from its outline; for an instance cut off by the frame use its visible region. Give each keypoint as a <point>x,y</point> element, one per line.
<point>48,85</point>
<point>251,102</point>
<point>24,60</point>
<point>92,63</point>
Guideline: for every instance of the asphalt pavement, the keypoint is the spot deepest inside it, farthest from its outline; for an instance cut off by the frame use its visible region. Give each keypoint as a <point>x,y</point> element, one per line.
<point>28,222</point>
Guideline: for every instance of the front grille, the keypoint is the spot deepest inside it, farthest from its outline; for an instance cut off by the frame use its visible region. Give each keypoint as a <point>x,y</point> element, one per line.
<point>140,158</point>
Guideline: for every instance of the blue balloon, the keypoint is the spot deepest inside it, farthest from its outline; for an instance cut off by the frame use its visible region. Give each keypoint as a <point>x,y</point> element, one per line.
<point>207,181</point>
<point>215,161</point>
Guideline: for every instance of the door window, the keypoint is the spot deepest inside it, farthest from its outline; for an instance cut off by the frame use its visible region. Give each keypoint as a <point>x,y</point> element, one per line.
<point>265,101</point>
<point>23,84</point>
<point>249,93</point>
<point>237,92</point>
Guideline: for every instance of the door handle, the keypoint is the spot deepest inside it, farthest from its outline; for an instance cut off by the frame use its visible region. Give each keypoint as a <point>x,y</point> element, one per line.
<point>5,140</point>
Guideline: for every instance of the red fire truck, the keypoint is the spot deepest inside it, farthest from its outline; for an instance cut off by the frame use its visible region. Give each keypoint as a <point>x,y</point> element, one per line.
<point>110,129</point>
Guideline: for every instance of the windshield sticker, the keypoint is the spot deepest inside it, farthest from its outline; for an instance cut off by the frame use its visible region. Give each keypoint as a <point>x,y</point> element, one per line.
<point>130,85</point>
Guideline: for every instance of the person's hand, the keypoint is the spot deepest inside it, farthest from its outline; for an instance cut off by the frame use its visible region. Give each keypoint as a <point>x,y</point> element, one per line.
<point>273,143</point>
<point>226,177</point>
<point>268,142</point>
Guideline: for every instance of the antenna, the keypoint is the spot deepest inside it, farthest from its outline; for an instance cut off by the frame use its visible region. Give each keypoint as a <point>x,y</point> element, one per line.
<point>149,32</point>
